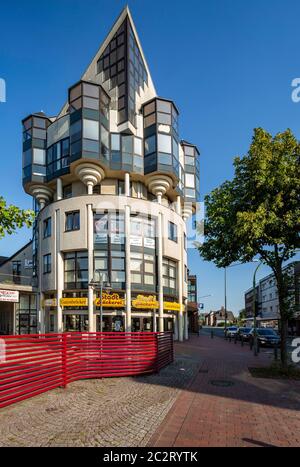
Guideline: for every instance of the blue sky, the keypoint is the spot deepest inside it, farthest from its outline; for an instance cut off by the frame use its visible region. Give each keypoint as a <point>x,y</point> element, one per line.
<point>228,65</point>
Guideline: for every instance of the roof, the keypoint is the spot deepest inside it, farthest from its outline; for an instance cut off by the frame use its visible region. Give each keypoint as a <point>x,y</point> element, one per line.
<point>10,258</point>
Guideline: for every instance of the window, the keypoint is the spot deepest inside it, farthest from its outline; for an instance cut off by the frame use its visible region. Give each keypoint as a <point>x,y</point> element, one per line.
<point>170,275</point>
<point>47,263</point>
<point>72,221</point>
<point>189,180</point>
<point>172,234</point>
<point>164,143</point>
<point>26,315</point>
<point>47,227</point>
<point>150,145</point>
<point>39,156</point>
<point>184,241</point>
<point>76,270</point>
<point>16,268</point>
<point>67,191</point>
<point>90,129</point>
<point>115,142</point>
<point>163,106</point>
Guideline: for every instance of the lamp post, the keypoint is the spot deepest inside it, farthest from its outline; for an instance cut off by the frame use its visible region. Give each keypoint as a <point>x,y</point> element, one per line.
<point>254,309</point>
<point>94,284</point>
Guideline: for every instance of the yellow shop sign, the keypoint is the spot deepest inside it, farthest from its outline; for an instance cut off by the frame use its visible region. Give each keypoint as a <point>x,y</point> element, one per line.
<point>79,301</point>
<point>111,301</point>
<point>145,302</point>
<point>172,306</point>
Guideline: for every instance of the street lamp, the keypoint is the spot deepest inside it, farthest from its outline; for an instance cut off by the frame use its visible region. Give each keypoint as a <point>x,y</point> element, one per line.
<point>94,284</point>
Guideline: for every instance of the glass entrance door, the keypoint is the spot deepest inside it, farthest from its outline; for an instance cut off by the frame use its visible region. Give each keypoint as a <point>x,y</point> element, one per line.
<point>76,322</point>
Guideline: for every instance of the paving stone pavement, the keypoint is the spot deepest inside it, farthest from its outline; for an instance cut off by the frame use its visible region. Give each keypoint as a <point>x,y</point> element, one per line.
<point>245,412</point>
<point>106,412</point>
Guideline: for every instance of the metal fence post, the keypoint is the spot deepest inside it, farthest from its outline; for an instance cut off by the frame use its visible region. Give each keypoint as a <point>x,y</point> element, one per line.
<point>64,360</point>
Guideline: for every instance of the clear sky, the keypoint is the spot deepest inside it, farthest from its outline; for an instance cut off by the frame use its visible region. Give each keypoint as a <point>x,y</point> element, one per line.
<point>228,65</point>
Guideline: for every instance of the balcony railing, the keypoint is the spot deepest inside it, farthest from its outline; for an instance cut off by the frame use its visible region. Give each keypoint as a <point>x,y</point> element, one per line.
<point>14,279</point>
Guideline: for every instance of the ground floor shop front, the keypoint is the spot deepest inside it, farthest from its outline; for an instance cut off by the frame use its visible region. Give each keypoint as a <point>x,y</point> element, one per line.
<point>112,321</point>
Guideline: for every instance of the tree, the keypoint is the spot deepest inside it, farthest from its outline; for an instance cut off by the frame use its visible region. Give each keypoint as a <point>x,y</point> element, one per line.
<point>257,214</point>
<point>13,218</point>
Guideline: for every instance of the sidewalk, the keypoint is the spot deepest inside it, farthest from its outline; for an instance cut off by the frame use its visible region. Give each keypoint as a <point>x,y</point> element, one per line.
<point>225,406</point>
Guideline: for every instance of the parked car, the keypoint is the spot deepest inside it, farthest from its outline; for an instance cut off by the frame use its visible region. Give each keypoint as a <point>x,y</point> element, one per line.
<point>231,331</point>
<point>243,333</point>
<point>265,336</point>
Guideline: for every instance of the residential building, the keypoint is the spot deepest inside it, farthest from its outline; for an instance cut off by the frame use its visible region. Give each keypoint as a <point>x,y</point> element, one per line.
<point>18,308</point>
<point>267,299</point>
<point>114,186</point>
<point>192,304</point>
<point>217,318</point>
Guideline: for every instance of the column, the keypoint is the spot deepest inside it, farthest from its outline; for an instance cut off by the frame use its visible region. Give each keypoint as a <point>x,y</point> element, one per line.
<point>127,184</point>
<point>59,189</point>
<point>160,273</point>
<point>186,322</point>
<point>175,328</point>
<point>178,205</point>
<point>59,279</point>
<point>90,245</point>
<point>154,321</point>
<point>180,284</point>
<point>127,269</point>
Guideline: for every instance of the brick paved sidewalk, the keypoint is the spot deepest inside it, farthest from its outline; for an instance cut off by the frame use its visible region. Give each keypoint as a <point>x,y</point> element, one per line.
<point>250,412</point>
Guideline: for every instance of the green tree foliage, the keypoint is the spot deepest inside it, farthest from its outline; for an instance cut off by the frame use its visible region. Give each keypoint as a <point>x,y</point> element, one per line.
<point>257,214</point>
<point>13,218</point>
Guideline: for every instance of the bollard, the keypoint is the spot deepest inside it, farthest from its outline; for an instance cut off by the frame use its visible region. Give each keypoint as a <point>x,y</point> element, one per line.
<point>258,346</point>
<point>212,334</point>
<point>275,352</point>
<point>235,338</point>
<point>251,344</point>
<point>242,340</point>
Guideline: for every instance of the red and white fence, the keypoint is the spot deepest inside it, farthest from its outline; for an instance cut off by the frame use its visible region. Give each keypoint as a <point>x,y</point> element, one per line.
<point>33,364</point>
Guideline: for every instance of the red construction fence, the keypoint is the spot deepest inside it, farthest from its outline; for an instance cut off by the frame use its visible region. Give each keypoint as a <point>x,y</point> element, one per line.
<point>35,363</point>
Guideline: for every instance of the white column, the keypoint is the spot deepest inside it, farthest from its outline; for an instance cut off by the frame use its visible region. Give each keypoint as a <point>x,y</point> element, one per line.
<point>178,205</point>
<point>59,279</point>
<point>159,197</point>
<point>180,283</point>
<point>186,322</point>
<point>59,189</point>
<point>160,272</point>
<point>40,280</point>
<point>127,272</point>
<point>127,184</point>
<point>154,321</point>
<point>175,328</point>
<point>90,245</point>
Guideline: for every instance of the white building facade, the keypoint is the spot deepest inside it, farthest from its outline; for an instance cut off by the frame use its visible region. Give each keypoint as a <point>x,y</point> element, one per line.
<point>114,186</point>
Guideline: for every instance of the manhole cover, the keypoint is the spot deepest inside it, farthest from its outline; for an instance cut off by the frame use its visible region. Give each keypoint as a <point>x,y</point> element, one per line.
<point>222,383</point>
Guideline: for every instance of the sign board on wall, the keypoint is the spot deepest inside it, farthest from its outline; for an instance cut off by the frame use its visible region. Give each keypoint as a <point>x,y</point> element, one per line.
<point>9,296</point>
<point>145,302</point>
<point>111,301</point>
<point>172,306</point>
<point>79,301</point>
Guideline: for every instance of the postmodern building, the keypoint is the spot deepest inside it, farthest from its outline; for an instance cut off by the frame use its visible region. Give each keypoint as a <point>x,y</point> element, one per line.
<point>114,186</point>
<point>267,307</point>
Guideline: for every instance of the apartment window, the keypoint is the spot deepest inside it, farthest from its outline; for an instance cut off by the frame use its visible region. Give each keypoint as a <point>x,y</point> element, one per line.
<point>72,221</point>
<point>184,241</point>
<point>67,191</point>
<point>47,263</point>
<point>172,235</point>
<point>76,270</point>
<point>16,267</point>
<point>169,275</point>
<point>47,227</point>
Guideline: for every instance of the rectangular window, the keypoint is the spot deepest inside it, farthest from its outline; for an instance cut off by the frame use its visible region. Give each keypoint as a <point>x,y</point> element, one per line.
<point>172,232</point>
<point>67,191</point>
<point>91,129</point>
<point>47,227</point>
<point>72,221</point>
<point>76,270</point>
<point>47,263</point>
<point>39,156</point>
<point>150,145</point>
<point>164,143</point>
